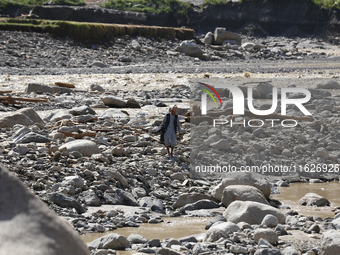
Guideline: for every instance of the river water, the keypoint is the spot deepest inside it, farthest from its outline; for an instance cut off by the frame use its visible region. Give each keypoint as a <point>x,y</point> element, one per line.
<point>171,227</point>
<point>186,226</point>
<point>291,196</point>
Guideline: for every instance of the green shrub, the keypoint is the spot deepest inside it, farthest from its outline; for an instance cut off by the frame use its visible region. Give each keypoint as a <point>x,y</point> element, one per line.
<point>323,4</point>
<point>4,3</point>
<point>150,6</point>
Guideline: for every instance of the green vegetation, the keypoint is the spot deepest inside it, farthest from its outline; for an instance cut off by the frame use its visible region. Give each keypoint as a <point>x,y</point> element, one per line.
<point>324,4</point>
<point>151,6</point>
<point>327,4</point>
<point>4,3</point>
<point>215,2</point>
<point>93,31</point>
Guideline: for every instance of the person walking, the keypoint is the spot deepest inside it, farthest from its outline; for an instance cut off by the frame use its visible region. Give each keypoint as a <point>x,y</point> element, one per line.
<point>170,125</point>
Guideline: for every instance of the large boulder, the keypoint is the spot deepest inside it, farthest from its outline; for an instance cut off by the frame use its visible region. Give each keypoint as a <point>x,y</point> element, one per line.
<point>113,102</point>
<point>251,212</point>
<point>329,85</point>
<point>65,201</point>
<point>190,198</point>
<point>24,117</point>
<point>29,227</point>
<point>220,35</point>
<point>226,227</point>
<point>57,115</point>
<point>201,204</point>
<point>313,199</point>
<point>110,241</point>
<point>136,238</point>
<point>330,243</point>
<point>214,234</point>
<point>270,221</point>
<point>153,203</point>
<point>250,179</point>
<point>30,137</point>
<point>208,38</point>
<point>85,147</point>
<point>243,193</point>
<point>113,114</point>
<point>267,234</point>
<point>90,198</point>
<point>265,89</point>
<point>120,197</point>
<point>336,223</point>
<point>191,49</point>
<point>36,87</point>
<point>82,110</point>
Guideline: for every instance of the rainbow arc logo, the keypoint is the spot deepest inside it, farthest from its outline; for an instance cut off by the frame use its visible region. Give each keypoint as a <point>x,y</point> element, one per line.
<point>204,87</point>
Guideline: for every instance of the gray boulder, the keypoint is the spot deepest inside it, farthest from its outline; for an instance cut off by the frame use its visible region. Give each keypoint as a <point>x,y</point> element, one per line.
<point>135,45</point>
<point>95,87</point>
<point>113,102</point>
<point>31,137</point>
<point>313,199</point>
<point>226,227</point>
<point>57,115</point>
<point>270,221</point>
<point>41,232</point>
<point>265,89</point>
<point>336,222</point>
<point>208,38</point>
<point>251,212</point>
<point>118,177</point>
<point>65,201</point>
<point>74,181</point>
<point>24,117</point>
<point>250,179</point>
<point>153,203</point>
<point>267,251</point>
<point>191,49</point>
<point>90,198</point>
<point>290,251</point>
<point>82,110</point>
<point>330,243</point>
<point>113,113</point>
<point>214,234</point>
<point>132,103</point>
<point>120,197</point>
<point>190,198</point>
<point>201,204</point>
<point>317,93</point>
<point>243,193</point>
<point>110,241</point>
<point>329,85</point>
<point>267,234</point>
<point>220,35</point>
<point>35,87</point>
<point>85,147</point>
<point>214,220</point>
<point>135,238</point>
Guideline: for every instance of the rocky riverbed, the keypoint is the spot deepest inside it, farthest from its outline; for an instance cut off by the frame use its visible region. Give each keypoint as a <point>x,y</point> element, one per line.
<point>91,154</point>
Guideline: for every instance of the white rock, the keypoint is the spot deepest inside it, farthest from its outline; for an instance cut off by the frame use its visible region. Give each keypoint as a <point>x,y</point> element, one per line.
<point>191,49</point>
<point>267,234</point>
<point>270,221</point>
<point>208,38</point>
<point>135,45</point>
<point>220,35</point>
<point>85,147</point>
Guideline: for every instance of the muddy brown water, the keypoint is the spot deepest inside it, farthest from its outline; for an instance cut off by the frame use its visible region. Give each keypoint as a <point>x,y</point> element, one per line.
<point>291,196</point>
<point>186,226</point>
<point>171,227</point>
